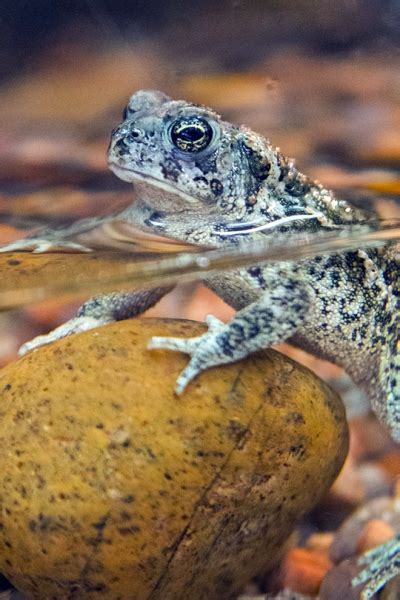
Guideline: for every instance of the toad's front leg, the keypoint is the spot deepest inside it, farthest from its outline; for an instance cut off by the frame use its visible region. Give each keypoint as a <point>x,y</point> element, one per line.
<point>273,318</point>
<point>58,240</point>
<point>42,245</point>
<point>99,311</point>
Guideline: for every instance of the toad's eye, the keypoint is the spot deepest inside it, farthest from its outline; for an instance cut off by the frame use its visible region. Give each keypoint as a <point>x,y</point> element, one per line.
<point>191,134</point>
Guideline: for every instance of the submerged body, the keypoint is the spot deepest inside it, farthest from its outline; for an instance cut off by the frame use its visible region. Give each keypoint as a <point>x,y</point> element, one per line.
<point>210,183</point>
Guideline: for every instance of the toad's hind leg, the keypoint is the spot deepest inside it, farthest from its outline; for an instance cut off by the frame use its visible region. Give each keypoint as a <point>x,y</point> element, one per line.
<point>380,564</point>
<point>387,406</point>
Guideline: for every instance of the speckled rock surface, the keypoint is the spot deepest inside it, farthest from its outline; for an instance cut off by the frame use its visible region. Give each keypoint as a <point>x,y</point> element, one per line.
<point>112,487</point>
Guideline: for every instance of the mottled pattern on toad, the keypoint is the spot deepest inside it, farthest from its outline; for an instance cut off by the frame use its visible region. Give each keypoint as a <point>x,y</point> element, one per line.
<point>199,178</point>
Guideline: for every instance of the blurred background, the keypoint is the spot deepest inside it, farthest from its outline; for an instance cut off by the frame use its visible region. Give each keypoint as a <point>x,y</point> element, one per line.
<point>321,79</point>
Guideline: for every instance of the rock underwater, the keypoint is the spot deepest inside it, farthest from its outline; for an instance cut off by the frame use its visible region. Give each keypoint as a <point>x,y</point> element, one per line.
<point>113,487</point>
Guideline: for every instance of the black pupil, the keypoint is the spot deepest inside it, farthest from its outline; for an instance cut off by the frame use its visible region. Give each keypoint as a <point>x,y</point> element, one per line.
<point>191,134</point>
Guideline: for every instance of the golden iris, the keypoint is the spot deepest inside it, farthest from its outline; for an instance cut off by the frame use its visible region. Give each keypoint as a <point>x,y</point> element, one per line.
<point>191,134</point>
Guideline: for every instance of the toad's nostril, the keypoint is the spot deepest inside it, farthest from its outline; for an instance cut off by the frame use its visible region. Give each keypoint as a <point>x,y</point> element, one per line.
<point>135,132</point>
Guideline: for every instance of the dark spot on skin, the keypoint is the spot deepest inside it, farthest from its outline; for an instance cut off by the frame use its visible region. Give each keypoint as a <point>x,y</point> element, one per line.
<point>284,168</point>
<point>259,167</point>
<point>250,202</point>
<point>216,187</point>
<point>293,189</point>
<point>206,166</point>
<point>283,174</point>
<point>7,387</point>
<point>170,170</point>
<point>257,274</point>
<point>122,146</point>
<point>297,188</point>
<point>200,179</point>
<point>168,476</point>
<point>13,262</point>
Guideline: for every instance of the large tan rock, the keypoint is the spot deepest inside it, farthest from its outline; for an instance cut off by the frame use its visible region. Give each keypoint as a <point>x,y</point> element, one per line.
<point>112,487</point>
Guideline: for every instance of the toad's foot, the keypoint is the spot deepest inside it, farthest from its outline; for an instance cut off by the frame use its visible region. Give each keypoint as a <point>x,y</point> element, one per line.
<point>381,565</point>
<point>204,349</point>
<point>38,246</point>
<point>75,325</point>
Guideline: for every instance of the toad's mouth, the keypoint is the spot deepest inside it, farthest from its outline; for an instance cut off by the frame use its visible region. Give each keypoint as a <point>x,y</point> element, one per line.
<point>151,182</point>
